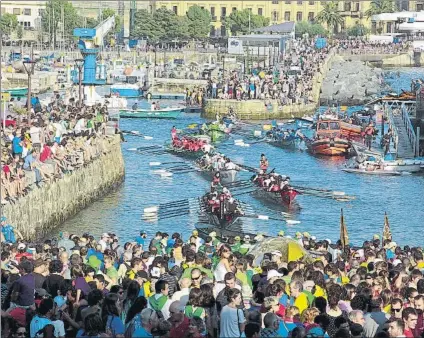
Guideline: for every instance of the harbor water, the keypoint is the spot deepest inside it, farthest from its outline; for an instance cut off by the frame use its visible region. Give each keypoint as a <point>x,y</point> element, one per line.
<point>121,211</point>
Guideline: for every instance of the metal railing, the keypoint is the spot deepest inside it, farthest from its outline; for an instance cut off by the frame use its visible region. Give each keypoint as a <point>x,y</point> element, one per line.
<point>395,136</point>
<point>409,129</point>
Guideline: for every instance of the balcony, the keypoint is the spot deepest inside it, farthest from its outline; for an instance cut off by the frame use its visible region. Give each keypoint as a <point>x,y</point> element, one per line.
<point>353,14</point>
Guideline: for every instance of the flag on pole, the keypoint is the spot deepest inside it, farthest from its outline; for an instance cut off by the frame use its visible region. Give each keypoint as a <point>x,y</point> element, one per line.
<point>344,237</point>
<point>387,234</point>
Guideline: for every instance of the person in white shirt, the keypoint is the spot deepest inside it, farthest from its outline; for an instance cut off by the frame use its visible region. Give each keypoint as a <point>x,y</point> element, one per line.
<point>183,294</point>
<point>35,135</point>
<point>104,242</point>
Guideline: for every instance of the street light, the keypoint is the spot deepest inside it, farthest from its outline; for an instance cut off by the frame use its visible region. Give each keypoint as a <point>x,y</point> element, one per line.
<point>29,68</point>
<point>79,63</point>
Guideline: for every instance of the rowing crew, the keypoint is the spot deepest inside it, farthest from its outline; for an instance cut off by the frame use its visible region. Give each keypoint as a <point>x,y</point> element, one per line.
<point>216,162</point>
<point>272,181</point>
<point>222,204</point>
<point>280,134</point>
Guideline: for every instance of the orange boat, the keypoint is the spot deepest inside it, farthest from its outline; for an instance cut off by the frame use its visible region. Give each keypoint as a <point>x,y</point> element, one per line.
<point>332,138</point>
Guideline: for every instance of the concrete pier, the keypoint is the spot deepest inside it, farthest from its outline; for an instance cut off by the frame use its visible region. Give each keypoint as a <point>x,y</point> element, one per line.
<point>44,208</point>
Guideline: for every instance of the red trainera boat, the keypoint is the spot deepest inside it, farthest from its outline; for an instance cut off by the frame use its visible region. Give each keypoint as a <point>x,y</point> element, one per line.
<point>283,197</point>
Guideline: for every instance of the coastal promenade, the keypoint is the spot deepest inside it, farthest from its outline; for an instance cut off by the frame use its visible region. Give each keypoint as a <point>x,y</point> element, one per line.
<point>46,207</point>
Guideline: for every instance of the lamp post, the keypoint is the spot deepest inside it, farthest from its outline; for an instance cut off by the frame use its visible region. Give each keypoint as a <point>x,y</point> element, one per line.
<point>29,68</point>
<point>79,63</point>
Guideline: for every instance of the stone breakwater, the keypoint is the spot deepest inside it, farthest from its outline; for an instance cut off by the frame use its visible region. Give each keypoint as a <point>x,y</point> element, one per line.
<point>350,82</point>
<point>44,208</point>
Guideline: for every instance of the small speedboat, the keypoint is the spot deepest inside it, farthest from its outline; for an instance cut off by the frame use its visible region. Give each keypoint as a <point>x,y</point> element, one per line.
<point>164,113</point>
<point>379,172</point>
<point>126,90</point>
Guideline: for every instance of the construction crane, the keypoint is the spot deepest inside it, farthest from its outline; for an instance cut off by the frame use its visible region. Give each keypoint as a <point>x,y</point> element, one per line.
<point>90,43</point>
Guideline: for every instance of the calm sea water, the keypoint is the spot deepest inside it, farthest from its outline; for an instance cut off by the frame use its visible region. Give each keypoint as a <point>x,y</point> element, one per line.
<point>121,211</point>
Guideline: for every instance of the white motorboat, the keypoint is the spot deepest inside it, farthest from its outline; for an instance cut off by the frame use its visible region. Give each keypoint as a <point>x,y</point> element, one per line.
<point>411,166</point>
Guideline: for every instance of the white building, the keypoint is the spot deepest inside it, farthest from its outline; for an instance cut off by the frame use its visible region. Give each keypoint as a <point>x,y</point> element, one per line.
<point>399,22</point>
<point>28,13</point>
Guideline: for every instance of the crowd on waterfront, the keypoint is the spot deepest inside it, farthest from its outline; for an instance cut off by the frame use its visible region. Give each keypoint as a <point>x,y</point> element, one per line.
<point>59,138</point>
<point>170,286</point>
<point>362,46</point>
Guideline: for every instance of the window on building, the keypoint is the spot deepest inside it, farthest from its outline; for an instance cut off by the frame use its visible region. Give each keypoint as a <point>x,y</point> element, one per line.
<point>419,7</point>
<point>17,11</point>
<point>213,15</point>
<point>260,11</point>
<point>234,9</point>
<point>347,6</point>
<point>389,27</point>
<point>175,9</point>
<point>287,2</point>
<point>311,16</point>
<point>202,7</point>
<point>27,11</point>
<point>223,12</point>
<point>274,16</point>
<point>300,2</point>
<point>223,30</point>
<point>275,2</point>
<point>311,3</point>
<point>299,16</point>
<point>357,7</point>
<point>342,26</point>
<point>286,16</point>
<point>373,27</point>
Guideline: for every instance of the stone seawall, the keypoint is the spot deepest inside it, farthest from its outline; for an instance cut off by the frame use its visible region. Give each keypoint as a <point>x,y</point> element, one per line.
<point>44,208</point>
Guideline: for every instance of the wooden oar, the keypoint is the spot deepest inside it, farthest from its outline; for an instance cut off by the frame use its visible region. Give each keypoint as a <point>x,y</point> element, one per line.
<point>155,164</point>
<point>166,217</point>
<point>137,134</point>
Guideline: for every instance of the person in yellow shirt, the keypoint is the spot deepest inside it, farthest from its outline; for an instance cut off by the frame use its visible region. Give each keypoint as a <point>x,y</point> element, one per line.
<point>301,293</point>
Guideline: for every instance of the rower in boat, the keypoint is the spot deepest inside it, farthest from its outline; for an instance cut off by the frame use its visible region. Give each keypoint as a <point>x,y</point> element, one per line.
<point>263,163</point>
<point>134,106</point>
<point>173,132</point>
<point>216,183</point>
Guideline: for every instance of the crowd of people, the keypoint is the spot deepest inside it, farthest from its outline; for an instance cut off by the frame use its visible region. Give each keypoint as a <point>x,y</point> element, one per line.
<point>59,138</point>
<point>362,46</point>
<point>170,286</point>
<point>291,84</point>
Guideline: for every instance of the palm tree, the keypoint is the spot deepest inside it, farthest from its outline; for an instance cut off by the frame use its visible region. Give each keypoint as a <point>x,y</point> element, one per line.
<point>330,15</point>
<point>379,7</point>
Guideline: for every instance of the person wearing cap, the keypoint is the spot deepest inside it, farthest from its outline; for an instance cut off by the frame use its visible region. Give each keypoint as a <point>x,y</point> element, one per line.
<point>277,257</point>
<point>9,232</point>
<point>40,267</point>
<point>22,252</point>
<point>237,243</point>
<point>104,241</point>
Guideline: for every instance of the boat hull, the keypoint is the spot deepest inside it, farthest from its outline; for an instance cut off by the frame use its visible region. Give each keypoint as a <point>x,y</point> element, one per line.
<point>208,217</point>
<point>184,153</point>
<point>403,166</point>
<point>329,147</point>
<point>372,172</point>
<point>150,114</point>
<point>227,176</point>
<point>126,92</point>
<point>283,143</point>
<point>286,198</point>
<point>16,92</point>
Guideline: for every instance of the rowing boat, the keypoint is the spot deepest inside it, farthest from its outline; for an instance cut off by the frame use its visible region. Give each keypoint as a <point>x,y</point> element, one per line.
<point>184,152</point>
<point>218,220</point>
<point>165,113</point>
<point>379,172</point>
<point>284,198</point>
<point>226,176</point>
<point>283,143</point>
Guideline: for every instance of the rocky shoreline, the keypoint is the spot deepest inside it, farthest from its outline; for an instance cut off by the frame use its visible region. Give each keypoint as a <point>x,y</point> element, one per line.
<point>350,82</point>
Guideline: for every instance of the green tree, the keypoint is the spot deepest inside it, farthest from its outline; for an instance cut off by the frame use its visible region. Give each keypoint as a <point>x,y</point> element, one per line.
<point>330,16</point>
<point>8,23</point>
<point>168,23</point>
<point>20,32</point>
<point>312,29</point>
<point>53,15</point>
<point>357,30</point>
<point>379,7</point>
<point>91,22</point>
<point>244,22</point>
<point>199,20</point>
<point>145,26</point>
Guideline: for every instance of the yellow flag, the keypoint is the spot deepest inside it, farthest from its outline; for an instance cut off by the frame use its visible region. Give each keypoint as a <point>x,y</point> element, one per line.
<point>344,237</point>
<point>387,234</point>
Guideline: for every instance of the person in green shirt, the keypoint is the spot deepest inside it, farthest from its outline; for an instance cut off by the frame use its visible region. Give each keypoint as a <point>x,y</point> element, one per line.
<point>110,270</point>
<point>237,243</point>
